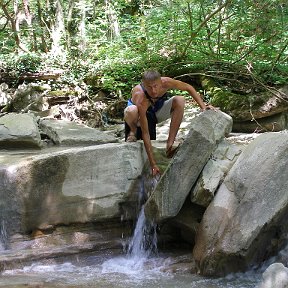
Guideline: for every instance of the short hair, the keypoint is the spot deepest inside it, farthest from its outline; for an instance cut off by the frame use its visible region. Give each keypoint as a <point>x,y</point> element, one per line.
<point>151,75</point>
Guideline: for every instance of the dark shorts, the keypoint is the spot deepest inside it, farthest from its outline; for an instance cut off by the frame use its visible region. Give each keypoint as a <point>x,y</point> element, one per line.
<point>161,115</point>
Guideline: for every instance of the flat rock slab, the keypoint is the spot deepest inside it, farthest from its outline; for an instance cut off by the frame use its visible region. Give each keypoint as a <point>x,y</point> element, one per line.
<point>64,132</point>
<point>207,129</point>
<point>19,131</point>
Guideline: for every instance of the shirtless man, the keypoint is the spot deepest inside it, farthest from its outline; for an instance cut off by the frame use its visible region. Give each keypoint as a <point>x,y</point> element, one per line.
<point>150,104</point>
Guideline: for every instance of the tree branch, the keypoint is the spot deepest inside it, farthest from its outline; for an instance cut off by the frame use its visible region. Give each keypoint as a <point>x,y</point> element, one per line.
<point>280,54</point>
<point>204,22</point>
<point>255,47</point>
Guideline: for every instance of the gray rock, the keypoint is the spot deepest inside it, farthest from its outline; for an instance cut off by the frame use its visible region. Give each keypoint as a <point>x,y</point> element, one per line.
<point>28,97</point>
<point>275,103</point>
<point>214,172</point>
<point>75,185</point>
<point>19,131</point>
<point>248,215</point>
<point>187,221</point>
<point>64,132</point>
<point>275,276</point>
<point>4,96</point>
<point>207,129</point>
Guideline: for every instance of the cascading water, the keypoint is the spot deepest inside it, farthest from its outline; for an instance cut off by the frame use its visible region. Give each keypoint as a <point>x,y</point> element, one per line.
<point>3,236</point>
<point>143,242</point>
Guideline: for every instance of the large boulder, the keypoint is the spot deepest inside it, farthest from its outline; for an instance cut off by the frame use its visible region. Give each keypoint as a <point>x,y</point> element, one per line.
<point>75,185</point>
<point>19,131</point>
<point>206,130</point>
<point>251,110</point>
<point>28,97</point>
<point>248,216</point>
<point>251,106</point>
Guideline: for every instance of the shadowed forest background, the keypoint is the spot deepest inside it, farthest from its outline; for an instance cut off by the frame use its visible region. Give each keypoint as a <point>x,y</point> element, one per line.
<point>97,50</point>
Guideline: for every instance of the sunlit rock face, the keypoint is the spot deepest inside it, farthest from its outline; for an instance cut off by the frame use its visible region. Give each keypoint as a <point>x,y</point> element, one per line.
<point>206,130</point>
<point>247,220</point>
<point>65,186</point>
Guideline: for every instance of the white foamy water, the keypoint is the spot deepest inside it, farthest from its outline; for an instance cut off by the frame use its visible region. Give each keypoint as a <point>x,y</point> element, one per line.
<point>141,246</point>
<point>120,272</point>
<point>3,236</point>
<point>144,240</point>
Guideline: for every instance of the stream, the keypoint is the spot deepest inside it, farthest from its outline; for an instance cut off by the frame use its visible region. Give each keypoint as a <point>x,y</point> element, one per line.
<point>139,264</point>
<point>102,270</point>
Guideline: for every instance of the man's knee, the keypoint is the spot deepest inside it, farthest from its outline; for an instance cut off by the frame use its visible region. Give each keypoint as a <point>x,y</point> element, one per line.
<point>178,102</point>
<point>131,112</point>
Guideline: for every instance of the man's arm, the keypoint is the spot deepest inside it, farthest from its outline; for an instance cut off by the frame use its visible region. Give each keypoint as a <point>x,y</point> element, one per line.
<point>146,139</point>
<point>142,107</point>
<point>179,85</point>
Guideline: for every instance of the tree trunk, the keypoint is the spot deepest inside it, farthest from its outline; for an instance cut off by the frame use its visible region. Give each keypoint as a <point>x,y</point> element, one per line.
<point>114,31</point>
<point>8,78</point>
<point>28,18</point>
<point>14,21</point>
<point>57,26</point>
<point>42,26</point>
<point>82,27</point>
<point>70,24</point>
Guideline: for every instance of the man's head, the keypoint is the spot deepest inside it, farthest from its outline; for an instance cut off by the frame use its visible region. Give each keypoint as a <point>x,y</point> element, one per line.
<point>151,80</point>
<point>151,75</point>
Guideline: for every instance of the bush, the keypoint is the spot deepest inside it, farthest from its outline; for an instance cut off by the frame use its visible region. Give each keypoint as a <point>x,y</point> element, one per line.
<point>28,63</point>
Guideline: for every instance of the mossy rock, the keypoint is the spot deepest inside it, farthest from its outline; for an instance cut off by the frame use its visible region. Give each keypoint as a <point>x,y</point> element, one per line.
<point>240,107</point>
<point>61,93</point>
<point>229,101</point>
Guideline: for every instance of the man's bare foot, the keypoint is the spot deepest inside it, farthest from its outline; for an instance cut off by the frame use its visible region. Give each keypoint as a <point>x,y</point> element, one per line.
<point>131,138</point>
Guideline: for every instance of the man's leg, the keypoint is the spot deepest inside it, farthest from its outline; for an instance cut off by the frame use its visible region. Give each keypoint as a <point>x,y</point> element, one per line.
<point>131,117</point>
<point>177,112</point>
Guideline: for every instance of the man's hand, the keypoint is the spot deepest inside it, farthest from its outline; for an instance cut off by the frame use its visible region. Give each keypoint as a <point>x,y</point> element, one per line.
<point>155,171</point>
<point>210,107</point>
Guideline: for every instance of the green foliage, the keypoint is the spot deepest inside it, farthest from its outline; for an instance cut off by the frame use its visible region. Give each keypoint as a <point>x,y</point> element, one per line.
<point>171,36</point>
<point>28,62</point>
<point>277,75</point>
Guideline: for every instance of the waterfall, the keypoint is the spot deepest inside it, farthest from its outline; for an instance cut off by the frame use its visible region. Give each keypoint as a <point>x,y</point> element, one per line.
<point>3,236</point>
<point>143,242</point>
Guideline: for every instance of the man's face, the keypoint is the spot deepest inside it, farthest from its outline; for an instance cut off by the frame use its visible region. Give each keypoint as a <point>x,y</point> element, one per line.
<point>153,87</point>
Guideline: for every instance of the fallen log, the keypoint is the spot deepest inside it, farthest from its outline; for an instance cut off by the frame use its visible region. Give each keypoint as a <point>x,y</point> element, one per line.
<point>29,76</point>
